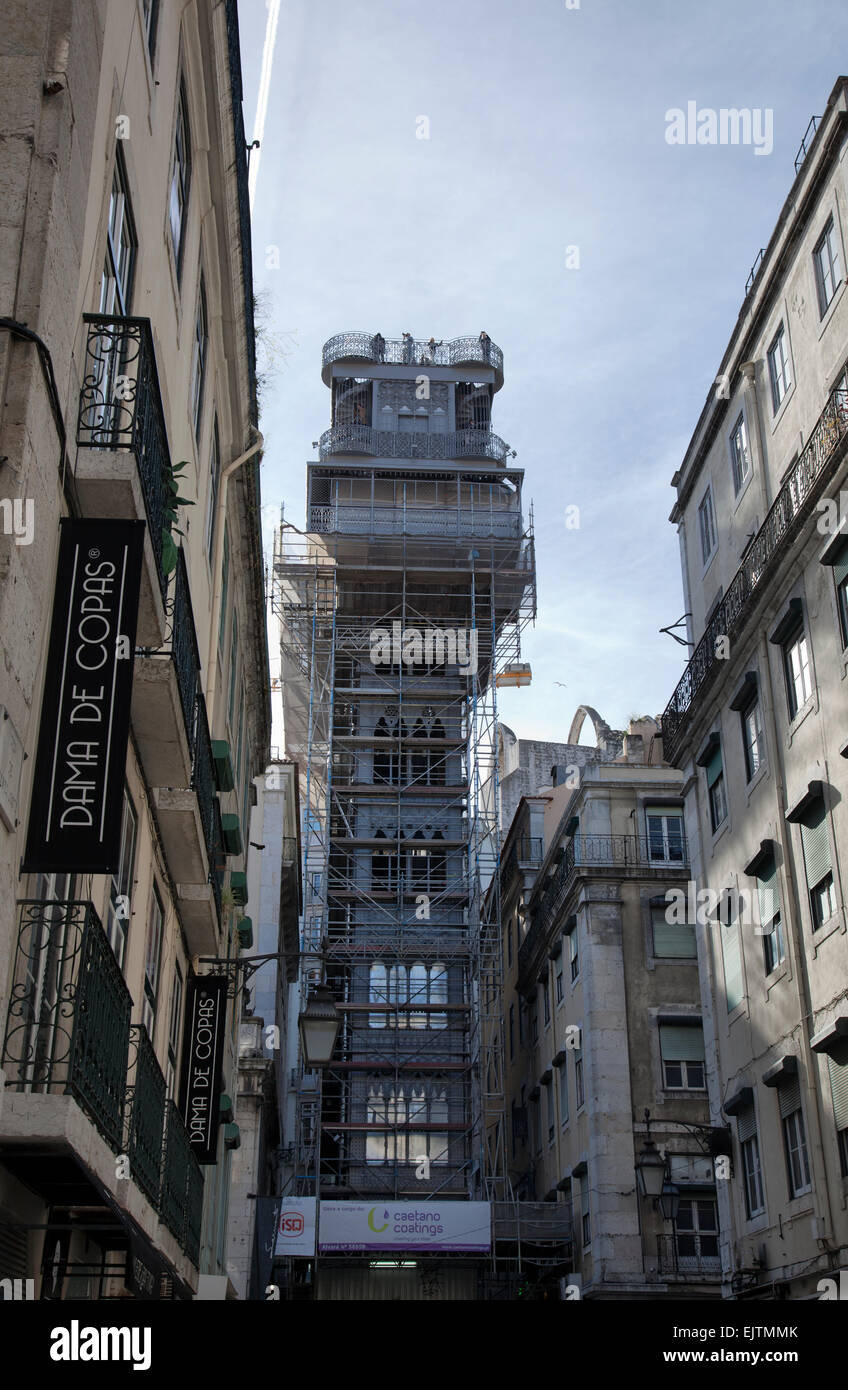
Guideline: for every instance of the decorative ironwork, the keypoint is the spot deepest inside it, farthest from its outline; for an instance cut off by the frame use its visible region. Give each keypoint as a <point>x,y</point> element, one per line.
<point>68,1026</point>
<point>591,852</point>
<point>181,1204</point>
<point>203,774</point>
<point>181,644</point>
<point>369,347</point>
<point>754,271</point>
<point>691,1253</point>
<point>147,1093</point>
<point>415,521</point>
<point>217,857</point>
<point>403,444</point>
<point>790,509</point>
<point>120,407</point>
<point>807,141</point>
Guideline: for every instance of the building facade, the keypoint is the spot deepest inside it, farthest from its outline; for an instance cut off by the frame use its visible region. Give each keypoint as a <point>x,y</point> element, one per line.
<point>758,727</point>
<point>128,398</point>
<point>604,1037</point>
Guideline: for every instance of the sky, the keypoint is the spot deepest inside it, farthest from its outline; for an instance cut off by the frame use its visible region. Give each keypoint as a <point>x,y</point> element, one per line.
<point>546,127</point>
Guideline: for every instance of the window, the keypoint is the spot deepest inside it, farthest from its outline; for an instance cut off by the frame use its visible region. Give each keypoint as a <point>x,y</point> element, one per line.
<point>740,454</point>
<point>198,359</point>
<point>155,924</point>
<point>585,1216</point>
<point>550,1107</point>
<point>573,951</point>
<point>682,1051</point>
<point>150,13</point>
<point>511,1032</point>
<point>715,789</point>
<point>816,846</point>
<point>509,943</point>
<point>395,1111</point>
<point>794,1137</point>
<point>770,921</point>
<point>231,702</point>
<point>579,1093</point>
<point>837,1064</point>
<point>666,841</point>
<point>534,1021</point>
<point>558,978</point>
<point>840,577</point>
<point>749,1147</point>
<point>752,738</point>
<point>706,526</point>
<point>225,583</point>
<point>696,1229</point>
<point>121,247</point>
<point>120,888</point>
<point>780,373</point>
<point>563,1091</point>
<point>546,1003</point>
<point>174,1028</point>
<point>827,266</point>
<point>180,180</point>
<point>418,986</point>
<point>377,994</point>
<point>796,666</point>
<point>212,504</point>
<point>672,940</point>
<point>537,1125</point>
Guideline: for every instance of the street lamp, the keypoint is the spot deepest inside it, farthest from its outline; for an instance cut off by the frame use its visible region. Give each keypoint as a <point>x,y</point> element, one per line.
<point>651,1170</point>
<point>319,1025</point>
<point>669,1201</point>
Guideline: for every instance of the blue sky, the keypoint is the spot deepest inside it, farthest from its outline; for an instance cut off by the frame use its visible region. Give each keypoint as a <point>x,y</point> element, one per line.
<point>546,131</point>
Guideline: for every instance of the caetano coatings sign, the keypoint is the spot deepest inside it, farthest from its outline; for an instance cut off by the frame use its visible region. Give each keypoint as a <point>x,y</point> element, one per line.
<point>78,781</point>
<point>203,1050</point>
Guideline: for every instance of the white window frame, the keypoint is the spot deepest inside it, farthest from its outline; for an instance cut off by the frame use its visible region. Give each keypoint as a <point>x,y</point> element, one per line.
<point>740,454</point>
<point>706,509</point>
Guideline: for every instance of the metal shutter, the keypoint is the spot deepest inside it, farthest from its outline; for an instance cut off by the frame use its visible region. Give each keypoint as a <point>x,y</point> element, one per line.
<point>769,897</point>
<point>672,938</point>
<point>840,569</point>
<point>789,1095</point>
<point>837,1064</point>
<point>681,1042</point>
<point>816,845</point>
<point>746,1124</point>
<point>714,767</point>
<point>731,951</point>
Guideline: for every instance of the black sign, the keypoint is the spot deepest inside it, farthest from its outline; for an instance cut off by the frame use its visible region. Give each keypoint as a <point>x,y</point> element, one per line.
<point>203,1050</point>
<point>78,782</point>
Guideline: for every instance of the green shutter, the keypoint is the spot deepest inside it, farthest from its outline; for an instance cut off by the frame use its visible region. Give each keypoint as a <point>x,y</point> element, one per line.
<point>731,952</point>
<point>714,767</point>
<point>769,896</point>
<point>672,938</point>
<point>837,1064</point>
<point>816,845</point>
<point>681,1042</point>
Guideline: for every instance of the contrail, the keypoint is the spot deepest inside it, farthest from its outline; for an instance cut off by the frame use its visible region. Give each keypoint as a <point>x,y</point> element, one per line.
<point>264,89</point>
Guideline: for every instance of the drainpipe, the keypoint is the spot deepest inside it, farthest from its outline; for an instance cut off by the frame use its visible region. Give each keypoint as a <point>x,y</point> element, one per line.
<point>220,510</point>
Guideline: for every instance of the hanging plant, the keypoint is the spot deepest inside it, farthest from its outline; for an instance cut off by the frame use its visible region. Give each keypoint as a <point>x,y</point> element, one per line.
<point>173,501</point>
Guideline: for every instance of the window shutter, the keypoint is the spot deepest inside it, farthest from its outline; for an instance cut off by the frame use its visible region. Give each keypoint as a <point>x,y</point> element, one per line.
<point>584,1194</point>
<point>714,767</point>
<point>837,1064</point>
<point>732,956</point>
<point>746,1124</point>
<point>767,887</point>
<point>840,569</point>
<point>816,846</point>
<point>672,938</point>
<point>789,1095</point>
<point>681,1042</point>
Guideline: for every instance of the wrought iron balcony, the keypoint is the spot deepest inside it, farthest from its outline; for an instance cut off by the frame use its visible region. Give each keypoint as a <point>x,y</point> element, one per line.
<point>120,408</point>
<point>146,1099</point>
<point>203,776</point>
<point>368,347</point>
<point>623,853</point>
<point>414,521</point>
<point>407,444</point>
<point>181,1206</point>
<point>688,1255</point>
<point>165,688</point>
<point>68,1026</point>
<point>792,507</point>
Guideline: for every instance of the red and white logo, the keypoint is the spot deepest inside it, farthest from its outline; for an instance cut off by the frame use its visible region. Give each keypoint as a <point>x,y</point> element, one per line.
<point>291,1224</point>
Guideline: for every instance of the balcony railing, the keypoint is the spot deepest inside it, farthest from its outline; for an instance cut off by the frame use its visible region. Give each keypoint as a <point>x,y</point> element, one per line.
<point>367,347</point>
<point>120,407</point>
<point>415,521</point>
<point>791,508</point>
<point>183,643</point>
<point>68,1026</point>
<point>182,1186</point>
<point>203,775</point>
<point>146,1098</point>
<point>685,1254</point>
<point>407,444</point>
<point>620,852</point>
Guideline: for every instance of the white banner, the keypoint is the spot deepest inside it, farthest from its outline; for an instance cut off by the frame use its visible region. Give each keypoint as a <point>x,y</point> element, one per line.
<point>296,1227</point>
<point>404,1226</point>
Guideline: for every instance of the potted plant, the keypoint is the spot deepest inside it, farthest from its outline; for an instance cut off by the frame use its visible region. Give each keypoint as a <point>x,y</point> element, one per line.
<point>173,501</point>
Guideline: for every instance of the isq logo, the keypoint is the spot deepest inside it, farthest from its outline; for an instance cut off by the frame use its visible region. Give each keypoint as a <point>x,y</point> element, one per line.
<point>291,1224</point>
<point>377,1229</point>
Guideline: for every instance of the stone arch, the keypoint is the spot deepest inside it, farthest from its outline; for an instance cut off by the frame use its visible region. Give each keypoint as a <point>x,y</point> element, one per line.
<point>602,729</point>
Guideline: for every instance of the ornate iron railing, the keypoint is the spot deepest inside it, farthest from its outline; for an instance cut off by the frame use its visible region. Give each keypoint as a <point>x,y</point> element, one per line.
<point>367,347</point>
<point>120,407</point>
<point>203,774</point>
<point>405,444</point>
<point>68,1025</point>
<point>414,521</point>
<point>689,1254</point>
<point>597,851</point>
<point>181,1206</point>
<point>146,1098</point>
<point>181,644</point>
<point>791,508</point>
<point>217,857</point>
